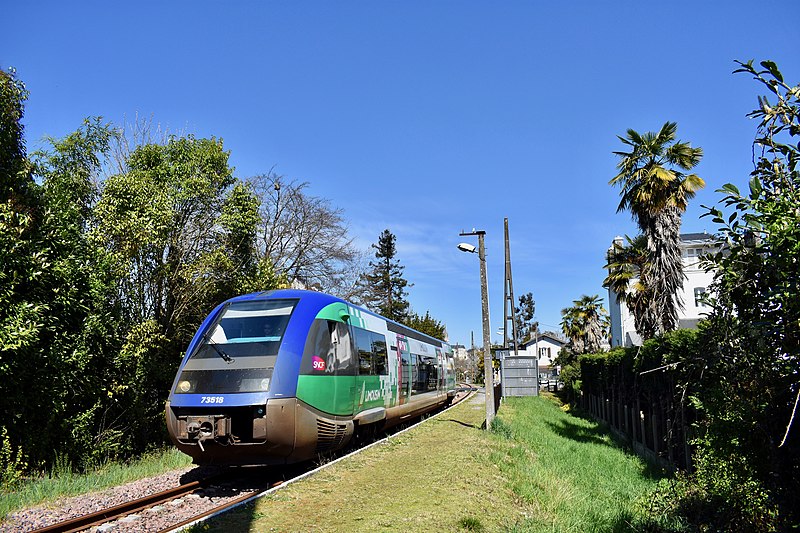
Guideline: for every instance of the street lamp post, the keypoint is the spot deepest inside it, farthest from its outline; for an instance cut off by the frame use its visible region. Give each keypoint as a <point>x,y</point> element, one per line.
<point>488,368</point>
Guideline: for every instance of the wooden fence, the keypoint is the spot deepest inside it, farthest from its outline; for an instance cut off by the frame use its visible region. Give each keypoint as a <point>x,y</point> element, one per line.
<point>657,430</point>
<point>644,407</point>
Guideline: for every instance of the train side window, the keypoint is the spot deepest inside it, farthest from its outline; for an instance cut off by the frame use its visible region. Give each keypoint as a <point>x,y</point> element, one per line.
<point>364,347</point>
<point>420,374</point>
<point>345,363</point>
<point>318,352</point>
<point>432,374</point>
<point>405,371</point>
<point>379,352</point>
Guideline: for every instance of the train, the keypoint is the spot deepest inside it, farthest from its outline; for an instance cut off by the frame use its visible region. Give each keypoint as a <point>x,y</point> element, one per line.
<point>285,376</point>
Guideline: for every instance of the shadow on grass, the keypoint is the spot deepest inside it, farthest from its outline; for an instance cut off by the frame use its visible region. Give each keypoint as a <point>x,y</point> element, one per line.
<point>579,433</point>
<point>473,426</point>
<point>598,432</point>
<point>626,522</point>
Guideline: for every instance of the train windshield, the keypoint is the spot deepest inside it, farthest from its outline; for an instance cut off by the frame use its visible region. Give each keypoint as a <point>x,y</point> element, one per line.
<point>237,353</point>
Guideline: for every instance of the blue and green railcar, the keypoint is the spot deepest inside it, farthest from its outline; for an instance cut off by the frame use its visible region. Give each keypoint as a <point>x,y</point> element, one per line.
<point>282,376</point>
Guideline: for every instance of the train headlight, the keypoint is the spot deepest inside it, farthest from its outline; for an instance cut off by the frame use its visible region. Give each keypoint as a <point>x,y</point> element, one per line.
<point>184,386</point>
<point>265,384</point>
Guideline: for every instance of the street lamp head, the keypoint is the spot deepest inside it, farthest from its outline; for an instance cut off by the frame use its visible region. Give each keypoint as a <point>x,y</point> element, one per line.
<point>466,247</point>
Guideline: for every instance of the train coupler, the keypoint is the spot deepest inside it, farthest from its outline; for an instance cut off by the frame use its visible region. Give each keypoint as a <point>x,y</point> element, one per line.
<point>212,427</point>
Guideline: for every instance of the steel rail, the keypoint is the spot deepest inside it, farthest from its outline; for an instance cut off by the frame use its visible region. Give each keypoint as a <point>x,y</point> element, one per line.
<point>220,508</point>
<point>81,523</point>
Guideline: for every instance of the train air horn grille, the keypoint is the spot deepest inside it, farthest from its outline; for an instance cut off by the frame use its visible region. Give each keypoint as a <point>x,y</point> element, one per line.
<point>329,436</point>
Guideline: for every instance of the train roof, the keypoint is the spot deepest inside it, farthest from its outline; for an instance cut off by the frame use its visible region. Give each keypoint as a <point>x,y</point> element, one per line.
<point>318,300</point>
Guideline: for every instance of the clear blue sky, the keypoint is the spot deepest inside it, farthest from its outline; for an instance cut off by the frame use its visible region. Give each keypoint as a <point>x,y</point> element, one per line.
<point>423,117</point>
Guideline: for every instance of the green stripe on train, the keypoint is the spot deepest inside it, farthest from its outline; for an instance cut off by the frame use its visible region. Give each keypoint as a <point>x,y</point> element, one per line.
<point>340,312</point>
<point>343,395</point>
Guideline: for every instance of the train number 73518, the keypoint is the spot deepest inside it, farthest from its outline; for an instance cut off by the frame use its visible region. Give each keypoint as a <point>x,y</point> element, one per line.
<point>212,399</point>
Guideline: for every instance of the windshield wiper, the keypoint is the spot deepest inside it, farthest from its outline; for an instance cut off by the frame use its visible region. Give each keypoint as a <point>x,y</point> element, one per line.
<point>225,357</point>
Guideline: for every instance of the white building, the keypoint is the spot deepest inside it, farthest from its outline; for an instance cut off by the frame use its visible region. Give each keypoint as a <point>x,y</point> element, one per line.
<point>695,284</point>
<point>545,346</point>
<point>460,352</point>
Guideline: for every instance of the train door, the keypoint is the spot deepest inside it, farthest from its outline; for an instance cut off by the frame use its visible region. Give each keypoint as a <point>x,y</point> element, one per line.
<point>345,369</point>
<point>440,386</point>
<point>404,383</point>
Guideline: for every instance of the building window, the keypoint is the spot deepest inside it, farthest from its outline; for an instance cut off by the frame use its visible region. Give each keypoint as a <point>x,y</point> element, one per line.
<point>544,352</point>
<point>699,297</point>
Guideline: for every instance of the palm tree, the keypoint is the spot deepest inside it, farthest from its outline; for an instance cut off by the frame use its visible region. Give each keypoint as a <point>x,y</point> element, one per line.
<point>584,325</point>
<point>625,265</point>
<point>656,192</point>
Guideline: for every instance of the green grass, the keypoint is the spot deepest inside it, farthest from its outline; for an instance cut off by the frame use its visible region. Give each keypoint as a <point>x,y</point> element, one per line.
<point>436,477</point>
<point>63,482</point>
<point>541,469</point>
<point>568,470</point>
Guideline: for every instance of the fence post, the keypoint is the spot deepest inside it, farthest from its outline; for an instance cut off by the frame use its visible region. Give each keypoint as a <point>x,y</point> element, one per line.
<point>670,438</point>
<point>654,426</point>
<point>626,420</point>
<point>686,455</point>
<point>642,426</point>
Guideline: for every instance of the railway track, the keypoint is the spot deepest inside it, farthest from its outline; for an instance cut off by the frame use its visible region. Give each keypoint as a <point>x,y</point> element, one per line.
<point>222,486</point>
<point>230,488</point>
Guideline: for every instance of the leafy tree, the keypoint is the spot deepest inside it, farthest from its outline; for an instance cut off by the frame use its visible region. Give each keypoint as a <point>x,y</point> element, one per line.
<point>16,182</point>
<point>385,284</point>
<point>426,324</point>
<point>182,230</point>
<point>159,219</point>
<point>749,368</point>
<point>20,319</point>
<point>656,192</point>
<point>526,326</point>
<point>60,322</point>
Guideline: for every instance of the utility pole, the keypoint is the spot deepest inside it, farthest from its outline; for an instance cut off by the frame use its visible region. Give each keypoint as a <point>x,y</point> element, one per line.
<point>488,367</point>
<point>509,299</point>
<point>472,358</point>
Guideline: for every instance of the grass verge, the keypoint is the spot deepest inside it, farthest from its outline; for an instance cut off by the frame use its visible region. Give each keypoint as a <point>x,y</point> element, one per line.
<point>541,469</point>
<point>435,477</point>
<point>569,470</point>
<point>64,483</point>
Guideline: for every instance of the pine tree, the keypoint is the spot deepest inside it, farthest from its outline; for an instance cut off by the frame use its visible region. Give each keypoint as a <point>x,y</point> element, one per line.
<point>527,327</point>
<point>385,286</point>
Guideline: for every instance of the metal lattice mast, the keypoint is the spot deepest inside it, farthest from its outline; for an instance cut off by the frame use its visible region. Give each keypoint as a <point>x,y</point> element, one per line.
<point>510,311</point>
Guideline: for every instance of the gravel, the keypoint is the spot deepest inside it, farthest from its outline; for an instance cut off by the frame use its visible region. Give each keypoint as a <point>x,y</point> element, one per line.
<point>154,519</point>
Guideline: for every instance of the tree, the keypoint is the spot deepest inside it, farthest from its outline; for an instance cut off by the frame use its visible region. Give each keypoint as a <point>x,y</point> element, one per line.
<point>384,283</point>
<point>305,238</point>
<point>749,369</point>
<point>656,192</point>
<point>59,319</point>
<point>526,326</point>
<point>182,229</point>
<point>583,324</point>
<point>625,264</point>
<point>426,324</point>
<point>16,181</point>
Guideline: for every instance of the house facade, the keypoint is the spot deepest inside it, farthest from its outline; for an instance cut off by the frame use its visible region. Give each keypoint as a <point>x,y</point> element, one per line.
<point>695,285</point>
<point>545,346</point>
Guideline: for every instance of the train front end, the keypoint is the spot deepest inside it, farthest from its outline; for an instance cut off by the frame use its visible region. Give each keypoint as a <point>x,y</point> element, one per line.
<point>234,397</point>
